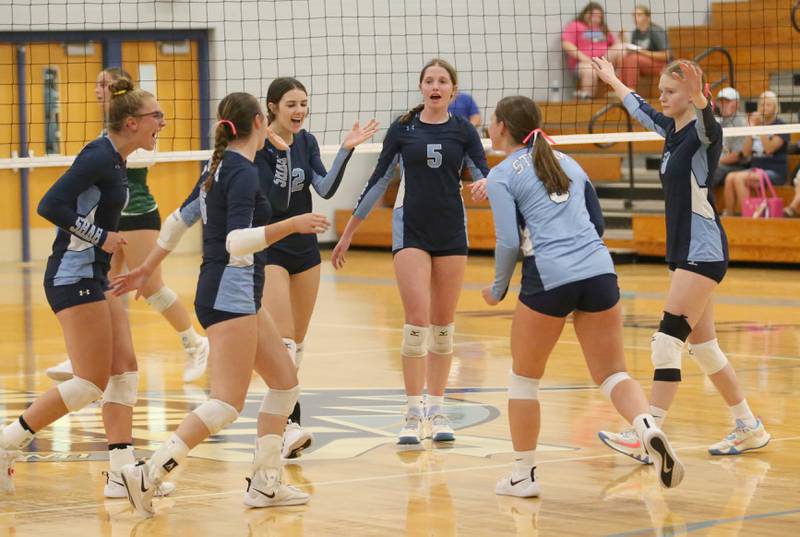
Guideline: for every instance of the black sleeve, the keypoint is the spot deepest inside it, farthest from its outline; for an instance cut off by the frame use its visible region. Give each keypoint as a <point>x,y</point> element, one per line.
<point>59,202</point>
<point>274,176</point>
<point>593,207</point>
<point>241,200</point>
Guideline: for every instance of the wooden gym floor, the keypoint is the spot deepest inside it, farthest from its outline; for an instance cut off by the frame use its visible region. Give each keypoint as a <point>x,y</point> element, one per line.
<point>362,483</point>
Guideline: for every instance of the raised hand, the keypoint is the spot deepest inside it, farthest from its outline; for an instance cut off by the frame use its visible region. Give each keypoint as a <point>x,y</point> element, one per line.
<point>690,77</point>
<point>279,143</point>
<point>358,134</point>
<point>604,70</point>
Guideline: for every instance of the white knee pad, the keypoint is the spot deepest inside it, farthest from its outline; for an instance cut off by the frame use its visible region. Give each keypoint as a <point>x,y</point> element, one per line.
<point>122,389</point>
<point>162,299</point>
<point>611,381</point>
<point>216,415</point>
<point>77,393</point>
<point>415,344</point>
<point>291,346</point>
<point>666,351</point>
<point>442,338</point>
<point>280,402</point>
<point>298,355</point>
<point>708,356</point>
<point>522,387</point>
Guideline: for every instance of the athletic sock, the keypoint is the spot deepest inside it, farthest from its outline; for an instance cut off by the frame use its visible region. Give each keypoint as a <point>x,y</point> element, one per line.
<point>742,412</point>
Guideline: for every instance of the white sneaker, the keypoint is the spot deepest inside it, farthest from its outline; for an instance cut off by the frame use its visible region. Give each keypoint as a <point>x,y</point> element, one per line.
<point>295,440</point>
<point>139,487</point>
<point>526,487</point>
<point>626,442</point>
<point>411,433</point>
<point>742,439</point>
<point>669,468</point>
<point>7,459</point>
<point>60,372</point>
<point>265,489</point>
<point>439,427</point>
<point>115,487</point>
<point>196,361</point>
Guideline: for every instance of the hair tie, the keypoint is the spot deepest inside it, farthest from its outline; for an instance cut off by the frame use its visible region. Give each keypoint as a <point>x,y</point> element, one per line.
<point>707,91</point>
<point>120,92</point>
<point>229,123</point>
<point>535,133</point>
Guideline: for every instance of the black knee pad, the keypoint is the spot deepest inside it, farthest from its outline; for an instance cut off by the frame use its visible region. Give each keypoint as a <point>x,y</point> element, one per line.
<point>675,325</point>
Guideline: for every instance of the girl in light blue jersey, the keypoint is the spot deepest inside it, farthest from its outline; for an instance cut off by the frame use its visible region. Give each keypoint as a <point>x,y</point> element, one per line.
<point>544,202</point>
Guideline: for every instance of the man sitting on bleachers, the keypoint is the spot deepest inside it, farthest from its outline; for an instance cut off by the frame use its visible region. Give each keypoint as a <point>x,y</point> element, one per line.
<point>729,116</point>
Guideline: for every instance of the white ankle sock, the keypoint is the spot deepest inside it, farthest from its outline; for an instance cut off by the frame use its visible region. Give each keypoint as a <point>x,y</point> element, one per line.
<point>167,457</point>
<point>659,414</point>
<point>642,423</point>
<point>414,403</point>
<point>14,436</point>
<point>118,458</point>
<point>523,462</point>
<point>268,452</point>
<point>743,413</point>
<point>189,337</point>
<point>434,402</point>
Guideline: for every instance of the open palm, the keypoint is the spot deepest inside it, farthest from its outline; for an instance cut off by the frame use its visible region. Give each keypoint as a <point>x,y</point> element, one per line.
<point>359,135</point>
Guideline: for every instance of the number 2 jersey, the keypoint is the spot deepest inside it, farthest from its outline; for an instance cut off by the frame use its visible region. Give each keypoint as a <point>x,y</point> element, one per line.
<point>429,213</point>
<point>691,154</point>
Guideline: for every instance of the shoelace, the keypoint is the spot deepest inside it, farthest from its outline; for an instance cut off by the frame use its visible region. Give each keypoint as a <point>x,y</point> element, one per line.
<point>439,419</point>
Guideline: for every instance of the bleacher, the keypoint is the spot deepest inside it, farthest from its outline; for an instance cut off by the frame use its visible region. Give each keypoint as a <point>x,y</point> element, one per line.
<point>634,216</point>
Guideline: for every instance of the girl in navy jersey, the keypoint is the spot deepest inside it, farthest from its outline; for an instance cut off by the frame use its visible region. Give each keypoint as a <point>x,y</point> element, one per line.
<point>293,262</point>
<point>85,204</point>
<point>567,269</point>
<point>697,252</point>
<point>139,225</point>
<point>429,238</point>
<point>242,336</point>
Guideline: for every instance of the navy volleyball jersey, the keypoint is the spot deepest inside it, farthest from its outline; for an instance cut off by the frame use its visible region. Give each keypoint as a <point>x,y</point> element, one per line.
<point>236,201</point>
<point>307,170</point>
<point>559,235</point>
<point>694,232</point>
<point>429,213</point>
<point>85,203</point>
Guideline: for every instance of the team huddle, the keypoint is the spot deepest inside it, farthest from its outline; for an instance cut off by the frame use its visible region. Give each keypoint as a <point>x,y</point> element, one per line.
<point>260,273</point>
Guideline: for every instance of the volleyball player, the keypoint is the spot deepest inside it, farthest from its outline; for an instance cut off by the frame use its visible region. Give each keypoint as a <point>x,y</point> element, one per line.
<point>293,262</point>
<point>85,204</point>
<point>429,238</point>
<point>570,272</point>
<point>242,336</point>
<point>697,252</point>
<point>139,224</point>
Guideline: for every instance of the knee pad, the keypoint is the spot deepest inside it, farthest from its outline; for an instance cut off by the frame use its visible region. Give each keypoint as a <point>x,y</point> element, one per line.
<point>216,415</point>
<point>675,326</point>
<point>162,299</point>
<point>298,355</point>
<point>442,338</point>
<point>520,387</point>
<point>122,389</point>
<point>291,347</point>
<point>708,356</point>
<point>77,393</point>
<point>666,355</point>
<point>415,344</point>
<point>611,381</point>
<point>280,402</point>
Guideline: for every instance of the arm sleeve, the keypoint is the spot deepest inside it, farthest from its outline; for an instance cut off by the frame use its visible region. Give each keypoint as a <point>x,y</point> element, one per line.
<point>476,156</point>
<point>708,128</point>
<point>59,202</point>
<point>241,200</point>
<point>276,182</point>
<point>382,175</point>
<point>646,114</point>
<point>506,250</point>
<point>593,207</point>
<point>326,183</point>
<point>181,219</point>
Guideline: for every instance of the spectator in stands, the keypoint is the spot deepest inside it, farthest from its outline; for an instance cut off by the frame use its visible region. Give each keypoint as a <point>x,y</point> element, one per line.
<point>793,210</point>
<point>732,159</point>
<point>648,51</point>
<point>465,106</point>
<point>587,37</point>
<point>767,151</point>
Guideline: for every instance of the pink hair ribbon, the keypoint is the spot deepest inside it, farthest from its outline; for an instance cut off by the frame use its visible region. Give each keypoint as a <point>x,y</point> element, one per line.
<point>535,133</point>
<point>229,123</point>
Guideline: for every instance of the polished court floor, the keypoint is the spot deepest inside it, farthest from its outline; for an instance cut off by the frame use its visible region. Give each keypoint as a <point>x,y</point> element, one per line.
<point>362,483</point>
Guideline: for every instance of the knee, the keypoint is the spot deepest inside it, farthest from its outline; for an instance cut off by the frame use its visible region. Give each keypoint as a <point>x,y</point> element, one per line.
<point>415,341</point>
<point>442,338</point>
<point>77,392</point>
<point>667,346</point>
<point>217,414</point>
<point>525,388</point>
<point>611,381</point>
<point>122,389</point>
<point>162,299</point>
<point>280,402</point>
<point>709,356</point>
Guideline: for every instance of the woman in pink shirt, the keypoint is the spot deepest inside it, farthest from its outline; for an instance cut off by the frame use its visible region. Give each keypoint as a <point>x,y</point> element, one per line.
<point>585,38</point>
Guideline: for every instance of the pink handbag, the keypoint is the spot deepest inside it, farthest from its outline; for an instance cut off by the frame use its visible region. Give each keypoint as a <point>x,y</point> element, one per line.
<point>762,206</point>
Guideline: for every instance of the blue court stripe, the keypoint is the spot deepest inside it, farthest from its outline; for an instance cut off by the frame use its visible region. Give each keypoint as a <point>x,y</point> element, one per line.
<point>710,523</point>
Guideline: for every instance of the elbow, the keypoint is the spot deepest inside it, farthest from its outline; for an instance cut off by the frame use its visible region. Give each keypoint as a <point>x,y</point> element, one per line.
<point>241,242</point>
<point>45,209</point>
